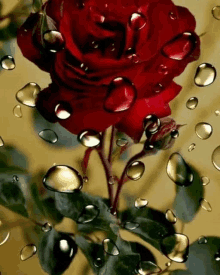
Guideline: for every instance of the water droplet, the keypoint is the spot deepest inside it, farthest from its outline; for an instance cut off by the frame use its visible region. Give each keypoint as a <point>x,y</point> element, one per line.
<point>192,147</point>
<point>15,178</point>
<point>85,179</point>
<point>216,12</point>
<point>4,236</point>
<point>174,134</point>
<point>170,216</point>
<point>178,170</point>
<point>121,142</point>
<point>216,158</point>
<point>192,103</point>
<point>49,136</point>
<point>162,69</point>
<point>158,88</point>
<point>203,130</point>
<point>28,94</point>
<point>180,47</point>
<point>8,62</point>
<point>54,41</point>
<point>205,75</point>
<point>217,256</point>
<point>96,15</point>
<point>28,251</point>
<point>112,180</point>
<point>17,111</point>
<point>135,170</point>
<point>89,138</point>
<point>137,21</point>
<point>62,178</point>
<point>63,110</point>
<point>89,213</point>
<point>205,181</point>
<point>168,264</point>
<point>172,15</point>
<point>140,203</point>
<point>46,227</point>
<point>147,267</point>
<point>65,247</point>
<point>99,262</point>
<point>131,225</point>
<point>217,112</point>
<point>202,240</point>
<point>1,142</point>
<point>205,205</point>
<point>176,247</point>
<point>151,124</point>
<point>110,247</point>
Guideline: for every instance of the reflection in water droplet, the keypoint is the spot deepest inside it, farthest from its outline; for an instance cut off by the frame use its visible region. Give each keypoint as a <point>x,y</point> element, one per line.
<point>49,136</point>
<point>63,110</point>
<point>151,124</point>
<point>216,12</point>
<point>28,94</point>
<point>192,147</point>
<point>121,142</point>
<point>205,180</point>
<point>147,267</point>
<point>1,142</point>
<point>176,247</point>
<point>170,216</point>
<point>217,112</point>
<point>216,158</point>
<point>46,227</point>
<point>89,138</point>
<point>62,178</point>
<point>89,213</point>
<point>137,21</point>
<point>140,203</point>
<point>17,111</point>
<point>202,240</point>
<point>54,41</point>
<point>192,103</point>
<point>8,62</point>
<point>135,170</point>
<point>205,205</point>
<point>110,247</point>
<point>131,225</point>
<point>66,248</point>
<point>203,130</point>
<point>4,236</point>
<point>178,170</point>
<point>205,75</point>
<point>217,256</point>
<point>28,251</point>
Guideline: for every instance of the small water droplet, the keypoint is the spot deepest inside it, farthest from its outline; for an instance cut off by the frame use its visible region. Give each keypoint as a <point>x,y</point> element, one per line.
<point>85,179</point>
<point>49,136</point>
<point>121,142</point>
<point>135,170</point>
<point>151,124</point>
<point>162,69</point>
<point>131,225</point>
<point>63,110</point>
<point>89,213</point>
<point>28,251</point>
<point>203,130</point>
<point>137,21</point>
<point>172,15</point>
<point>15,178</point>
<point>120,96</point>
<point>112,180</point>
<point>1,142</point>
<point>158,88</point>
<point>205,205</point>
<point>205,181</point>
<point>98,262</point>
<point>46,227</point>
<point>132,56</point>
<point>170,216</point>
<point>62,178</point>
<point>17,111</point>
<point>192,147</point>
<point>216,158</point>
<point>217,112</point>
<point>192,103</point>
<point>168,264</point>
<point>202,240</point>
<point>8,62</point>
<point>205,75</point>
<point>110,247</point>
<point>140,203</point>
<point>89,138</point>
<point>96,15</point>
<point>178,170</point>
<point>54,41</point>
<point>174,134</point>
<point>4,236</point>
<point>179,243</point>
<point>28,94</point>
<point>216,12</point>
<point>217,256</point>
<point>147,267</point>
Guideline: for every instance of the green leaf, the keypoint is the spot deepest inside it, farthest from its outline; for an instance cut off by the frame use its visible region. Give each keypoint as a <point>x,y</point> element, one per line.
<point>10,156</point>
<point>37,4</point>
<point>150,224</point>
<point>181,272</point>
<point>96,217</point>
<point>56,251</point>
<point>51,210</point>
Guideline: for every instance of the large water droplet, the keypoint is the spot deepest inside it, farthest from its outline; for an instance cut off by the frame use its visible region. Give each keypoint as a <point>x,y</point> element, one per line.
<point>151,124</point>
<point>203,130</point>
<point>28,94</point>
<point>135,170</point>
<point>120,96</point>
<point>28,251</point>
<point>178,171</point>
<point>4,236</point>
<point>205,205</point>
<point>89,138</point>
<point>17,111</point>
<point>205,181</point>
<point>49,136</point>
<point>147,267</point>
<point>110,247</point>
<point>131,225</point>
<point>192,147</point>
<point>121,142</point>
<point>140,203</point>
<point>176,247</point>
<point>63,110</point>
<point>170,216</point>
<point>216,12</point>
<point>54,41</point>
<point>1,142</point>
<point>216,158</point>
<point>180,47</point>
<point>62,178</point>
<point>137,21</point>
<point>89,213</point>
<point>192,103</point>
<point>8,62</point>
<point>205,75</point>
<point>202,240</point>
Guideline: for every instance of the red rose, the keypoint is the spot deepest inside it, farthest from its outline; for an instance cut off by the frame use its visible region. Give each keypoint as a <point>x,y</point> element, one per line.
<point>115,60</point>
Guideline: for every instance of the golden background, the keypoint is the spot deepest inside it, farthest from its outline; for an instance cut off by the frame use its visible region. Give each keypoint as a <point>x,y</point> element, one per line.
<point>155,185</point>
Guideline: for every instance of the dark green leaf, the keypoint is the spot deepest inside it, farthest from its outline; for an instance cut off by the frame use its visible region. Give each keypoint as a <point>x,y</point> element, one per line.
<point>56,251</point>
<point>10,156</point>
<point>51,210</point>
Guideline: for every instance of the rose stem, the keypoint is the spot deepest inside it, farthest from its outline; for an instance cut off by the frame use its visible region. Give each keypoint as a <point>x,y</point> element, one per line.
<point>111,144</point>
<point>85,161</point>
